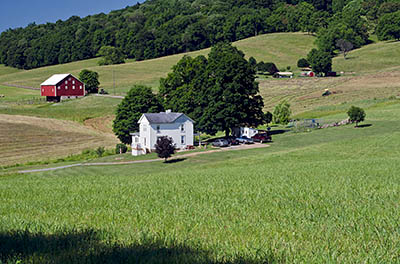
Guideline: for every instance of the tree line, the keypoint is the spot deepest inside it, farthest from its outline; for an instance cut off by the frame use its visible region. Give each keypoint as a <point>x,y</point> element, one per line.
<point>160,27</point>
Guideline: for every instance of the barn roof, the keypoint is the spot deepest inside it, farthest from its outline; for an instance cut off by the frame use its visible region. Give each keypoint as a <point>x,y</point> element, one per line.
<point>55,79</point>
<point>163,117</point>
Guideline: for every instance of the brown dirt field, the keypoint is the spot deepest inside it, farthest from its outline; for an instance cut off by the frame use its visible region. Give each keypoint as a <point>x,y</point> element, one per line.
<point>24,139</point>
<point>305,94</point>
<point>102,124</point>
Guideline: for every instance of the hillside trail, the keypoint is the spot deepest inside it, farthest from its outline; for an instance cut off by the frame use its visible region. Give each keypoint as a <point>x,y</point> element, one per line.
<point>113,163</point>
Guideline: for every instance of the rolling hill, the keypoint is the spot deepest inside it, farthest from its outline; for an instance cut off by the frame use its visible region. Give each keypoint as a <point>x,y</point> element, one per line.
<point>284,49</point>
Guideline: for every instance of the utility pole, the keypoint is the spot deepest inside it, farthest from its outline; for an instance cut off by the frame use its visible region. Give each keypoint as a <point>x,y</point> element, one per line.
<point>113,80</point>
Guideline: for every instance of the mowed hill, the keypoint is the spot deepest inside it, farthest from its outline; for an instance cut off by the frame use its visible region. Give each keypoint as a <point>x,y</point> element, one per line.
<point>369,73</point>
<point>284,49</point>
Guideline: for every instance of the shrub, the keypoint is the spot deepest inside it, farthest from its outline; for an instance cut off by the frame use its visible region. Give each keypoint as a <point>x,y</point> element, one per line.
<point>120,148</point>
<point>165,148</point>
<point>282,113</point>
<point>100,151</point>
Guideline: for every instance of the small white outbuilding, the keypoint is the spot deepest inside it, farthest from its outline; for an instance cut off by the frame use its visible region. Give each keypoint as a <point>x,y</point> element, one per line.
<point>177,126</point>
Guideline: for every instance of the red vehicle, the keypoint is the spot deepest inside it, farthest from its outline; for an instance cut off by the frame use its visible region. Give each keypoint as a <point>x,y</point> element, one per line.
<point>262,137</point>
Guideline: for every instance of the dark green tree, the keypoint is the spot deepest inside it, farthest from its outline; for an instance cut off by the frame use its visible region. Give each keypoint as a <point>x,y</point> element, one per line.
<point>233,98</point>
<point>356,114</point>
<point>302,63</point>
<point>268,117</point>
<point>320,61</point>
<point>110,55</point>
<point>184,89</point>
<point>139,100</point>
<point>389,26</point>
<point>282,113</point>
<point>90,79</point>
<point>165,147</point>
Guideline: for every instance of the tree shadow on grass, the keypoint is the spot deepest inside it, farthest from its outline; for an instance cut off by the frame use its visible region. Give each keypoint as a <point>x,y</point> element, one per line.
<point>278,131</point>
<point>171,161</point>
<point>86,247</point>
<point>364,125</point>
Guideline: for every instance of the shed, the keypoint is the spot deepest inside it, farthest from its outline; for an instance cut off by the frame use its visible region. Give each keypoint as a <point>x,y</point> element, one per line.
<point>283,75</point>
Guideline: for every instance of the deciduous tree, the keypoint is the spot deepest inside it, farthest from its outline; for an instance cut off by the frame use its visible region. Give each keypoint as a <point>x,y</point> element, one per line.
<point>320,61</point>
<point>140,99</point>
<point>90,79</point>
<point>356,114</point>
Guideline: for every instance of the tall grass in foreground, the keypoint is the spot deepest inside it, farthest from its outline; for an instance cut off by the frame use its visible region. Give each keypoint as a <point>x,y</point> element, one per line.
<point>329,196</point>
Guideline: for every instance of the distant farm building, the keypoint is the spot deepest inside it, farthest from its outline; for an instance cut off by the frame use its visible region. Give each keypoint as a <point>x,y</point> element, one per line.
<point>283,75</point>
<point>307,74</point>
<point>62,86</point>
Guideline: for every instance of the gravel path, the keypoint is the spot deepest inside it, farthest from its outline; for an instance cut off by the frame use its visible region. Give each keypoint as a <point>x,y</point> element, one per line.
<point>239,147</point>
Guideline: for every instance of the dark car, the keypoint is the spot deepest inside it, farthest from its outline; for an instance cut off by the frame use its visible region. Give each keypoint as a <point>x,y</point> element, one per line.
<point>245,140</point>
<point>262,137</point>
<point>232,141</point>
<point>220,142</point>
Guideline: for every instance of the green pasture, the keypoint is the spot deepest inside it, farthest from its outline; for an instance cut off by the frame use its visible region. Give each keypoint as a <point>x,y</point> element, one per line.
<point>376,57</point>
<point>75,110</point>
<point>327,196</point>
<point>7,70</point>
<point>12,94</point>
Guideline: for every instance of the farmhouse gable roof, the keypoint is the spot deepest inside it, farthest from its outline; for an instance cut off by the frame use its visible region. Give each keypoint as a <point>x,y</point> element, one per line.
<point>55,79</point>
<point>163,117</point>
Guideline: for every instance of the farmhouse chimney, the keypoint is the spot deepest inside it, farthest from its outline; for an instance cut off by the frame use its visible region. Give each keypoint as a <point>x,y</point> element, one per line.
<point>168,111</point>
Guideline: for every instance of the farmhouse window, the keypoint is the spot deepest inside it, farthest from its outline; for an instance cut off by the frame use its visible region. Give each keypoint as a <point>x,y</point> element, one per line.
<point>66,87</point>
<point>69,79</point>
<point>66,82</point>
<point>42,90</point>
<point>58,87</point>
<point>158,129</point>
<point>144,128</point>
<point>136,139</point>
<point>183,128</point>
<point>73,87</point>
<point>73,81</point>
<point>80,87</point>
<point>183,140</point>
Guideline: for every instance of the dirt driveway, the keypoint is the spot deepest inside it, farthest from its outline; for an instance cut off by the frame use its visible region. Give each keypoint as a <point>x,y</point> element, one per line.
<point>192,154</point>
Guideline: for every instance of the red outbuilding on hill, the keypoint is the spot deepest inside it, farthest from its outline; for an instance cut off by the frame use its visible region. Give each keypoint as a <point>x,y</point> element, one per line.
<point>62,86</point>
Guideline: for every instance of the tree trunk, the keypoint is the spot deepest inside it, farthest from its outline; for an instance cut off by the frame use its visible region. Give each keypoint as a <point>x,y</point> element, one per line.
<point>227,132</point>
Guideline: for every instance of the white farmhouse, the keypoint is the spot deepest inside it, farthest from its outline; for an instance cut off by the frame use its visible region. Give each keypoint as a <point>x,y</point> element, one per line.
<point>177,126</point>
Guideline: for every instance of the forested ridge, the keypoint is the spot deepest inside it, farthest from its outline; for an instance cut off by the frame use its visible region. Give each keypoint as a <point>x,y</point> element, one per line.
<point>163,27</point>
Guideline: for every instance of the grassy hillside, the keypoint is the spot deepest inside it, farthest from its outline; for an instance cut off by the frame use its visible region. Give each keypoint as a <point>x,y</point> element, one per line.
<point>7,70</point>
<point>284,49</point>
<point>326,196</point>
<point>376,57</point>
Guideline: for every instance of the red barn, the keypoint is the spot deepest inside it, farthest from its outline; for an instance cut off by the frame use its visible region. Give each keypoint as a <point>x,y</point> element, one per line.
<point>62,86</point>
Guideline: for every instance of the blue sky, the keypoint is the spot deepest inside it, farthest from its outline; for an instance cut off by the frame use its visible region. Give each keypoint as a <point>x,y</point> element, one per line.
<point>19,13</point>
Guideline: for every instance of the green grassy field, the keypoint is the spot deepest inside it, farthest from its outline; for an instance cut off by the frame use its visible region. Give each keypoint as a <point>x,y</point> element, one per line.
<point>75,110</point>
<point>7,70</point>
<point>12,94</point>
<point>284,49</point>
<point>328,196</point>
<point>376,57</point>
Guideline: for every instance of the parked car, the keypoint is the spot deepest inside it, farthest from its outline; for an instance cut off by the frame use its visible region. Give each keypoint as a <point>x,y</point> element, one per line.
<point>232,140</point>
<point>261,137</point>
<point>245,140</point>
<point>220,142</point>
